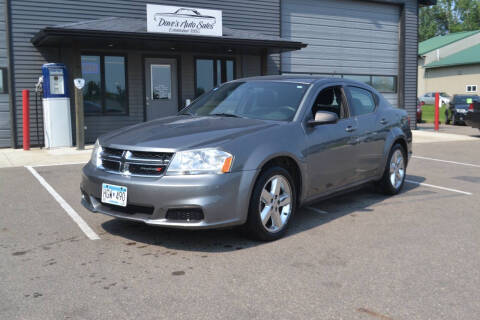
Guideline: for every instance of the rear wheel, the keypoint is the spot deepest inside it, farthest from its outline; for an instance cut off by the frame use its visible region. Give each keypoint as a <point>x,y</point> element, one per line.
<point>395,171</point>
<point>272,205</point>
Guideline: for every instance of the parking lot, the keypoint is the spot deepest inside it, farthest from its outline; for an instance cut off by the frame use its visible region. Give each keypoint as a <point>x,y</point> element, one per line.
<point>356,256</point>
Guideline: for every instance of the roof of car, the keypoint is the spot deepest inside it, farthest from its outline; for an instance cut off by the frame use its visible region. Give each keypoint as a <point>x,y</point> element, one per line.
<point>291,78</point>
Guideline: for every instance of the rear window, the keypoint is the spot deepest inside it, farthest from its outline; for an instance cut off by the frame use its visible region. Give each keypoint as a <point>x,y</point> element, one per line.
<point>463,99</point>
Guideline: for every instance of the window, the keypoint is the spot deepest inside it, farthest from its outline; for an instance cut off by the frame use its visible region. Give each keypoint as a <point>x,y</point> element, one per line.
<point>3,80</point>
<point>384,84</point>
<point>364,79</point>
<point>105,90</point>
<point>210,73</point>
<point>472,88</point>
<point>161,81</point>
<point>362,101</point>
<point>332,100</point>
<point>266,100</point>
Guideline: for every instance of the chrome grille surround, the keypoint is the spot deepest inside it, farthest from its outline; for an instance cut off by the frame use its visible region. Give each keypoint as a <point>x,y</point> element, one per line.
<point>135,163</point>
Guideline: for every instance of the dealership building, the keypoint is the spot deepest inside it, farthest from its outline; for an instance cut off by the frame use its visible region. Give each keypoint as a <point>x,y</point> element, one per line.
<point>146,59</point>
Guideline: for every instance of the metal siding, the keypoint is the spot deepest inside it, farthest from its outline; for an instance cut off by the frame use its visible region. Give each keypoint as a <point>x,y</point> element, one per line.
<point>343,36</point>
<point>410,67</point>
<point>4,106</point>
<point>29,16</point>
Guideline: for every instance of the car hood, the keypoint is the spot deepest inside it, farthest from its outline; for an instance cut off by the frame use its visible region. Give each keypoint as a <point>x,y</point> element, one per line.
<point>183,132</point>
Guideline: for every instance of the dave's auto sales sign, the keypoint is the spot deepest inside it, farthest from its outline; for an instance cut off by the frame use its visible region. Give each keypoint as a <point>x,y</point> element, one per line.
<point>184,20</point>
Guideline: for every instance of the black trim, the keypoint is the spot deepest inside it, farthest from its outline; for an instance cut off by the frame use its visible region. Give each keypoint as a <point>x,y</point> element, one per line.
<point>102,56</point>
<point>427,2</point>
<point>11,75</point>
<point>223,60</point>
<point>50,36</point>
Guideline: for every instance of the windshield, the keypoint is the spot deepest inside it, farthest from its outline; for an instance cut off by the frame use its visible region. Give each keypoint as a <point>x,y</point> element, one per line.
<point>266,100</point>
<point>463,99</point>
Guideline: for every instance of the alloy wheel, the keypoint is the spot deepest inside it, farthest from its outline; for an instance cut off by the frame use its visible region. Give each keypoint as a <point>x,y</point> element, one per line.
<point>397,169</point>
<point>275,204</point>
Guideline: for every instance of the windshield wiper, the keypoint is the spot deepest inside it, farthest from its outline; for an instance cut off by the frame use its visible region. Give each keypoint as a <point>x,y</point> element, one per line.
<point>231,115</point>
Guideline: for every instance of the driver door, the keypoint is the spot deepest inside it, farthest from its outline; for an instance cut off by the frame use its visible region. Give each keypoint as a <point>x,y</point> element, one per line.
<point>330,147</point>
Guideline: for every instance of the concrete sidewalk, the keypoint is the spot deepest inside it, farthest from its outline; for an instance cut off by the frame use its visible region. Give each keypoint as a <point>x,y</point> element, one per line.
<point>427,136</point>
<point>37,156</point>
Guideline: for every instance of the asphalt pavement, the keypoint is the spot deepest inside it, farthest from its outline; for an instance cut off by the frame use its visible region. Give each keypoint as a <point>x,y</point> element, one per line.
<point>357,256</point>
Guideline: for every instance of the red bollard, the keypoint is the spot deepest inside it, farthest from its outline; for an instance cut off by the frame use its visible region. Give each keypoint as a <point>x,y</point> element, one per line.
<point>26,119</point>
<point>437,110</point>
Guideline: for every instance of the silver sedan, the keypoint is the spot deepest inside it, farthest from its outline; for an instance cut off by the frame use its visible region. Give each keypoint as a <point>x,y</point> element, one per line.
<point>249,153</point>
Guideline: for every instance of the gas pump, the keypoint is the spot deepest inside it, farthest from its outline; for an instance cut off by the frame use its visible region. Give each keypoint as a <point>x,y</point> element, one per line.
<point>56,106</point>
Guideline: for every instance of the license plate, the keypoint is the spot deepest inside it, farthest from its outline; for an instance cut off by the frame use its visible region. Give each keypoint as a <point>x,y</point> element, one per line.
<point>116,195</point>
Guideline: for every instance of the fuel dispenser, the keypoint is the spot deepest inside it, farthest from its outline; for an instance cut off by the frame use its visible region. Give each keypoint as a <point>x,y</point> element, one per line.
<point>56,106</point>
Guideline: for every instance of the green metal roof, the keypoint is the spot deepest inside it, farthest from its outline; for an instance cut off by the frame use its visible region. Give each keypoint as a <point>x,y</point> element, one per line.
<point>467,56</point>
<point>441,41</point>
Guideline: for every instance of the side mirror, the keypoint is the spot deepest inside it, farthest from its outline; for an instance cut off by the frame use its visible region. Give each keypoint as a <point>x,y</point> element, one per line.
<point>323,117</point>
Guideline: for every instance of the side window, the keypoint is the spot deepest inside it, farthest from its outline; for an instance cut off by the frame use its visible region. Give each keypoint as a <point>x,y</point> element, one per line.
<point>332,100</point>
<point>362,102</point>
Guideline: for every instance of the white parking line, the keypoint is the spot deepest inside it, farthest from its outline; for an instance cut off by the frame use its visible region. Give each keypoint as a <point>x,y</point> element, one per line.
<point>57,164</point>
<point>316,210</point>
<point>72,213</point>
<point>447,161</point>
<point>438,187</point>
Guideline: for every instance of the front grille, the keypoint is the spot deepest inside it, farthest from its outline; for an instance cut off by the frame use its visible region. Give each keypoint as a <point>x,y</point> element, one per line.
<point>185,214</point>
<point>139,163</point>
<point>112,152</point>
<point>111,165</point>
<point>158,156</point>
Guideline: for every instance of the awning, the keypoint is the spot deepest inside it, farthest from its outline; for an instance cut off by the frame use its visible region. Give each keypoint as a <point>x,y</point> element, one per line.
<point>128,33</point>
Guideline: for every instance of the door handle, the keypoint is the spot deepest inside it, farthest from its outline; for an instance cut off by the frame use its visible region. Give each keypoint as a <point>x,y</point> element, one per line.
<point>384,121</point>
<point>350,129</point>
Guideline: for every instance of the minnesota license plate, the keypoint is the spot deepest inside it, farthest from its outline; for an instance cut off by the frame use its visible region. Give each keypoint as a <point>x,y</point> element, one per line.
<point>116,195</point>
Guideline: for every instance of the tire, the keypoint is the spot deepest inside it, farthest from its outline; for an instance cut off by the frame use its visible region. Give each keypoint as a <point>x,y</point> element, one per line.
<point>386,185</point>
<point>277,218</point>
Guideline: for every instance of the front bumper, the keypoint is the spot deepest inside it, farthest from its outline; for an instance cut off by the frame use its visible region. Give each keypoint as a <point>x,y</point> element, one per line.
<point>223,199</point>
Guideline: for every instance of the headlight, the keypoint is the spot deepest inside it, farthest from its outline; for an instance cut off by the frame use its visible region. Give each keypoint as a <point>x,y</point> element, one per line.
<point>202,161</point>
<point>96,153</point>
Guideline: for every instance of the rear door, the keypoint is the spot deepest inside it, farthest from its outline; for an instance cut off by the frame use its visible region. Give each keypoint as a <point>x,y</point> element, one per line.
<point>371,128</point>
<point>330,147</point>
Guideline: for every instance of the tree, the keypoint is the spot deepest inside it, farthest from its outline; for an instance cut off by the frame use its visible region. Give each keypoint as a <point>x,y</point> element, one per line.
<point>449,16</point>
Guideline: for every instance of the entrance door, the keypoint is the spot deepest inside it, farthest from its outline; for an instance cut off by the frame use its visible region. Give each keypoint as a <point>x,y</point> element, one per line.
<point>161,87</point>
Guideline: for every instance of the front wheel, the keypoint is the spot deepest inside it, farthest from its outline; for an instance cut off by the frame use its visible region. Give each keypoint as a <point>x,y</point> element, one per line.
<point>395,171</point>
<point>272,204</point>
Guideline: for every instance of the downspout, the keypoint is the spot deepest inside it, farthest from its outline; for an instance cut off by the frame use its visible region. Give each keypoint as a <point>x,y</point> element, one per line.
<point>11,75</point>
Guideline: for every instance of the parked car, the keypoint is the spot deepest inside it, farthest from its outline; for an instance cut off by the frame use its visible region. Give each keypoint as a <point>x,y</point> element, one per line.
<point>419,111</point>
<point>249,153</point>
<point>472,118</point>
<point>458,108</point>
<point>429,98</point>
